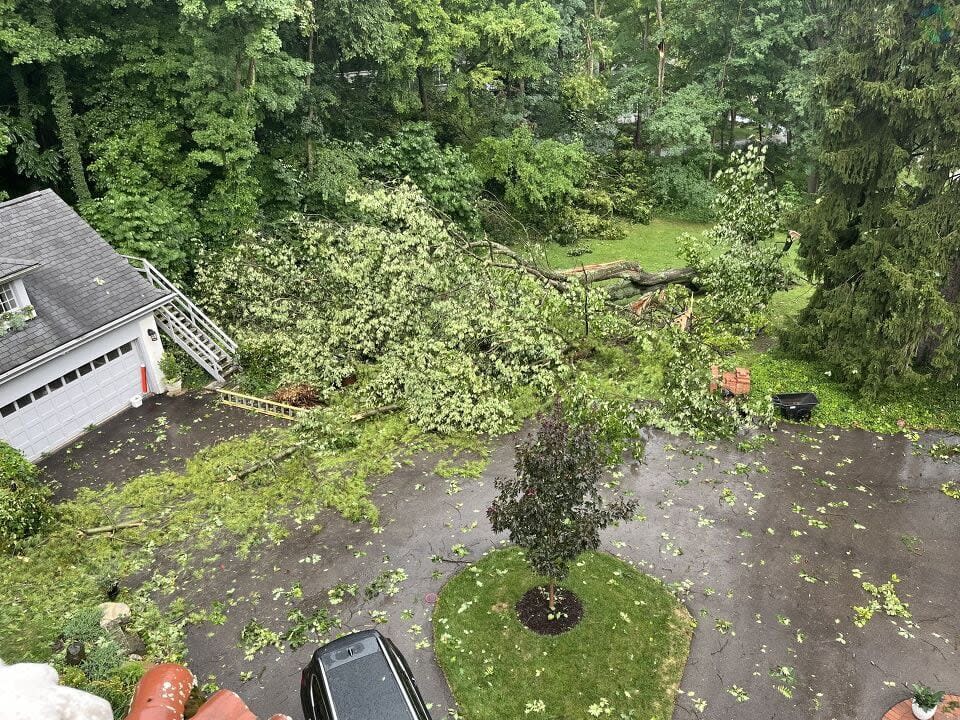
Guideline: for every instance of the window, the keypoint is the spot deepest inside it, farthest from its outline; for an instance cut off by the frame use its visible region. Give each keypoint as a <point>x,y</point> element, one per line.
<point>8,409</point>
<point>70,376</point>
<point>84,369</point>
<point>8,300</point>
<point>113,355</point>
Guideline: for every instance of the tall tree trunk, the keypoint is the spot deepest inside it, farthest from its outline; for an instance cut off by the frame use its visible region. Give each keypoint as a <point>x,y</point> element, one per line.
<point>733,128</point>
<point>311,107</point>
<point>636,127</point>
<point>23,95</point>
<point>422,91</point>
<point>662,53</point>
<point>588,62</point>
<point>66,125</point>
<point>713,141</point>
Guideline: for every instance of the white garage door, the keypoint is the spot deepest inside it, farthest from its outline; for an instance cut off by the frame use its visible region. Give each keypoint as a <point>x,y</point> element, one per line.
<point>52,415</point>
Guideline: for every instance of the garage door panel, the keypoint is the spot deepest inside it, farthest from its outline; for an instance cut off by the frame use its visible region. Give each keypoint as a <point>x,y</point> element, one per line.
<point>68,405</point>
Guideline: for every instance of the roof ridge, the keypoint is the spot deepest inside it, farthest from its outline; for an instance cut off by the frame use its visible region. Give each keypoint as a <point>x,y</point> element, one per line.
<point>25,198</point>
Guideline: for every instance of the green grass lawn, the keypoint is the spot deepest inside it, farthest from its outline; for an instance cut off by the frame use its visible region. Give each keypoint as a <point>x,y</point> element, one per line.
<point>654,246</point>
<point>923,406</point>
<point>624,659</point>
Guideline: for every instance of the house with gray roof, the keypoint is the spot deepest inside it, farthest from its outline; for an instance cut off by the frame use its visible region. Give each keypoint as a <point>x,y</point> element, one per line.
<point>79,335</point>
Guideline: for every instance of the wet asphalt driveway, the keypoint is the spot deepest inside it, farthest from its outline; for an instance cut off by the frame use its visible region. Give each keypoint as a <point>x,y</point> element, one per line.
<point>768,548</point>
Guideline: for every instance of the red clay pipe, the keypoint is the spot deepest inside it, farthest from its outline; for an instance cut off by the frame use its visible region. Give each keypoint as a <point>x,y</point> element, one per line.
<point>162,693</point>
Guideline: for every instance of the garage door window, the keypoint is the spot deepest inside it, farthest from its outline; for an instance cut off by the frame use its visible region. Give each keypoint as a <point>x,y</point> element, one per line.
<point>59,382</point>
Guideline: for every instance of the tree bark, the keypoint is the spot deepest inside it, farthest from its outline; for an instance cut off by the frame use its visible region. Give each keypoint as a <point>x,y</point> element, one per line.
<point>311,107</point>
<point>66,125</point>
<point>422,91</point>
<point>635,280</point>
<point>553,597</point>
<point>662,53</point>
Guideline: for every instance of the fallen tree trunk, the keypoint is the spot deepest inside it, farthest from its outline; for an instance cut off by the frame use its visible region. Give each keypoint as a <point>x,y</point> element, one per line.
<point>634,279</point>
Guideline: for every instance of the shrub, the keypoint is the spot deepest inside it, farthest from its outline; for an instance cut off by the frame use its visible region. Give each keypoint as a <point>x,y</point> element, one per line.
<point>170,367</point>
<point>537,178</point>
<point>679,185</point>
<point>444,175</point>
<point>25,507</point>
<point>83,626</point>
<point>628,182</point>
<point>576,225</point>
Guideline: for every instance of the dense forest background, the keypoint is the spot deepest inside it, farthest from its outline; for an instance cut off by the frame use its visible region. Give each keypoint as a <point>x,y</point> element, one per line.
<point>177,127</point>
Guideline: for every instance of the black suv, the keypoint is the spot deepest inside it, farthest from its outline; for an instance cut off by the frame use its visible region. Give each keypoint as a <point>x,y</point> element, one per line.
<point>361,676</point>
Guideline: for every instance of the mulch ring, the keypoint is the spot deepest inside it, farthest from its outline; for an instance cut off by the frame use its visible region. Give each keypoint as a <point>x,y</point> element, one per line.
<point>533,610</point>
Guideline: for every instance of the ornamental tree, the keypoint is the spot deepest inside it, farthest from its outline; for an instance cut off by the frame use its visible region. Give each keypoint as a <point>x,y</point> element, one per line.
<point>552,508</point>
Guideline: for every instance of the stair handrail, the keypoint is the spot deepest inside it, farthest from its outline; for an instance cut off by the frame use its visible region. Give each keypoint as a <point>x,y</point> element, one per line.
<point>210,362</point>
<point>157,278</point>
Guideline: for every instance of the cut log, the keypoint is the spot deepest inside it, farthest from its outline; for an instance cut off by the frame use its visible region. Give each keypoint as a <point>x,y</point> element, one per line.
<point>112,528</point>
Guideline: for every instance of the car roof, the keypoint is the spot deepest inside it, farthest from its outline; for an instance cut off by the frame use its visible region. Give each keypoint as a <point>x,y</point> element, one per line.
<point>361,679</point>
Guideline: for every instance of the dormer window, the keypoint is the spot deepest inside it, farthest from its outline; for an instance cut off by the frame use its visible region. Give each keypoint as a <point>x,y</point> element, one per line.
<point>8,298</point>
<point>15,307</point>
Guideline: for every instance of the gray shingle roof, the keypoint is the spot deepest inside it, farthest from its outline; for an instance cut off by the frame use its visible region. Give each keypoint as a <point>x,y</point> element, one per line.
<point>81,284</point>
<point>12,267</point>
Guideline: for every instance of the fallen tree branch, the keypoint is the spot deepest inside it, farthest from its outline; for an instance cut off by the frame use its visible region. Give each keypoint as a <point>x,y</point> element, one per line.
<point>100,530</point>
<point>289,451</point>
<point>366,414</point>
<point>275,458</point>
<point>635,280</point>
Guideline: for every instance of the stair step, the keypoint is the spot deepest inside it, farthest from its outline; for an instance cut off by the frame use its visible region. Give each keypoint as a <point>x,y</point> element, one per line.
<point>189,327</point>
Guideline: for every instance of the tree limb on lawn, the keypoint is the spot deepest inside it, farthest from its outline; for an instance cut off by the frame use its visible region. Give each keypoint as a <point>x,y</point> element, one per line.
<point>112,528</point>
<point>634,279</point>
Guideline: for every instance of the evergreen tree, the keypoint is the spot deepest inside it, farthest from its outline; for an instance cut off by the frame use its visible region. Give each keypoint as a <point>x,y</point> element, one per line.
<point>883,239</point>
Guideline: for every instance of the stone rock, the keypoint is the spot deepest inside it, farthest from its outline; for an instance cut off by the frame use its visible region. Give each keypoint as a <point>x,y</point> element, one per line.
<point>114,614</point>
<point>131,644</point>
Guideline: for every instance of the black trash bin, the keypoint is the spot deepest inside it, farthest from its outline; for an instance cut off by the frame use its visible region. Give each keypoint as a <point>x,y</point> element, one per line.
<point>795,406</point>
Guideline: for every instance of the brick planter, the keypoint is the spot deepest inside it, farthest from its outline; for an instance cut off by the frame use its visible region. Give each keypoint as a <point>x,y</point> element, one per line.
<point>902,711</point>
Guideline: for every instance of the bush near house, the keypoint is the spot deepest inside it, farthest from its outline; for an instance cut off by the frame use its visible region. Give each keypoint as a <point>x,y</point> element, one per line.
<point>25,507</point>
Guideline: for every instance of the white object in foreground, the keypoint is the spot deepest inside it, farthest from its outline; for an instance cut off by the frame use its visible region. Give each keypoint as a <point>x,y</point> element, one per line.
<point>33,690</point>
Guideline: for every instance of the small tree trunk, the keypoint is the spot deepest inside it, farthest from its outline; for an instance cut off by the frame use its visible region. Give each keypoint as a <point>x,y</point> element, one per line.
<point>661,53</point>
<point>553,597</point>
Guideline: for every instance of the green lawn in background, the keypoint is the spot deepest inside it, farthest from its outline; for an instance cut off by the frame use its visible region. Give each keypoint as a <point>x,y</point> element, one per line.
<point>624,659</point>
<point>654,246</point>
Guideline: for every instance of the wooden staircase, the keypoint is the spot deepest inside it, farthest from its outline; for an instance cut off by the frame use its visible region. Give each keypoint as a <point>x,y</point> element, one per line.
<point>189,327</point>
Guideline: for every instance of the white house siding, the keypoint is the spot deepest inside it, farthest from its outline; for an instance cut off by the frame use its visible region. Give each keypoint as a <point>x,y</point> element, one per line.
<point>64,412</point>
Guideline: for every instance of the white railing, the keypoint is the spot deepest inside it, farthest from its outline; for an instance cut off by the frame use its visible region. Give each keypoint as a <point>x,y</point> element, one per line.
<point>188,325</point>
